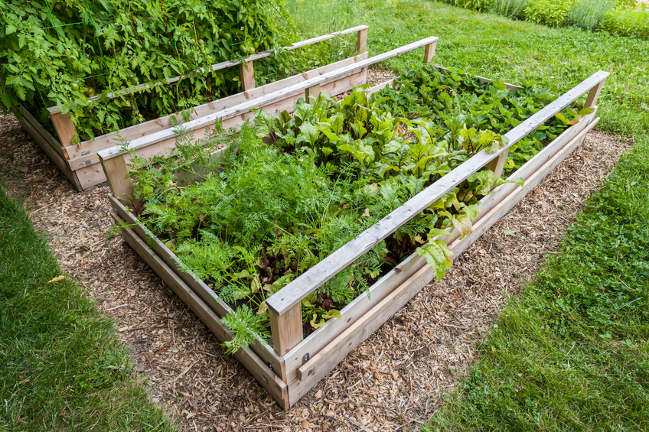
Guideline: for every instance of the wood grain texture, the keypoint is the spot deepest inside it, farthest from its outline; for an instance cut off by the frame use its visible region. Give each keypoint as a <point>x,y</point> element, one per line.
<point>311,94</point>
<point>267,378</point>
<point>306,283</point>
<point>64,127</point>
<point>85,154</point>
<point>429,52</point>
<point>228,64</point>
<point>206,294</point>
<point>310,373</point>
<point>118,180</point>
<point>361,41</point>
<point>60,163</point>
<point>286,329</point>
<point>53,142</point>
<point>247,75</point>
<point>208,120</point>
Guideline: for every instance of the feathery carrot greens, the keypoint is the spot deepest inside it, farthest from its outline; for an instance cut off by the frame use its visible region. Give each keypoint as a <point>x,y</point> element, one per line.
<point>289,190</point>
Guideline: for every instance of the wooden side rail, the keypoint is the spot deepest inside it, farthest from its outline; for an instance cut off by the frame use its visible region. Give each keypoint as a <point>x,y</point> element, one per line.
<point>65,127</point>
<point>285,303</point>
<point>121,185</point>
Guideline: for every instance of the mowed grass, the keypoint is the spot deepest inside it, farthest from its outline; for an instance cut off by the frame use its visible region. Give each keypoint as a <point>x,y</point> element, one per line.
<point>571,352</point>
<point>61,366</point>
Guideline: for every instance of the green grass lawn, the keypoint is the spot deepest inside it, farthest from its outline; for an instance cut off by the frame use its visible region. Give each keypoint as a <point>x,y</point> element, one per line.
<point>61,366</point>
<point>572,351</point>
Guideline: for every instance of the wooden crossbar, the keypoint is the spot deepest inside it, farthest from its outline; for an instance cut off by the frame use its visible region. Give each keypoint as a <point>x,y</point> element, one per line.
<point>259,102</point>
<point>224,65</point>
<point>291,296</point>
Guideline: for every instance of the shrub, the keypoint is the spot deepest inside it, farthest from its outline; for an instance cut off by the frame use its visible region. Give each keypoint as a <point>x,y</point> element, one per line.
<point>628,20</point>
<point>514,9</point>
<point>548,12</point>
<point>477,5</point>
<point>589,14</point>
<point>66,54</point>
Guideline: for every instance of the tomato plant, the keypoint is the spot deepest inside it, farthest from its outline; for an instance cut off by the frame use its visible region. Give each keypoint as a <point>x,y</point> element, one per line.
<point>65,52</point>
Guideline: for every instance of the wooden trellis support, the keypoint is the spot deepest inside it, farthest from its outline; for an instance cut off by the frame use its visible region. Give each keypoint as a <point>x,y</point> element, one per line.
<point>80,162</point>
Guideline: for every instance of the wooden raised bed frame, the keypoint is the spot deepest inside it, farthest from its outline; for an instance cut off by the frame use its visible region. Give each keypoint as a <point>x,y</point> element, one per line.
<point>293,365</point>
<point>80,163</point>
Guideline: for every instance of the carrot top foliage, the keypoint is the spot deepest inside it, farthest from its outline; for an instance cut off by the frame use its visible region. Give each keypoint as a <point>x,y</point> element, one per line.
<point>291,189</point>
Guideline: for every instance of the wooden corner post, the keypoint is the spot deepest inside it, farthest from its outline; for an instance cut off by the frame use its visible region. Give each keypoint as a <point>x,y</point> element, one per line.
<point>311,94</point>
<point>63,126</point>
<point>247,73</point>
<point>361,41</point>
<point>429,52</point>
<point>497,165</point>
<point>593,95</point>
<point>286,329</point>
<point>117,175</point>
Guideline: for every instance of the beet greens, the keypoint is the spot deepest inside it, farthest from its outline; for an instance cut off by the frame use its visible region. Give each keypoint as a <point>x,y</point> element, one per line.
<point>289,190</point>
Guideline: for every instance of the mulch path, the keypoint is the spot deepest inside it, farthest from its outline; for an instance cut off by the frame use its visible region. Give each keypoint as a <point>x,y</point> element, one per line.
<point>395,380</point>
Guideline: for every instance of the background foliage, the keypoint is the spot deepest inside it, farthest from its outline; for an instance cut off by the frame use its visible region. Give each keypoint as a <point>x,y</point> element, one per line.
<point>63,52</point>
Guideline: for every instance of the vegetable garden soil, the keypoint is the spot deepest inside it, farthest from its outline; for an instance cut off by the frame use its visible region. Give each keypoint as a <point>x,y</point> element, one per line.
<point>394,379</point>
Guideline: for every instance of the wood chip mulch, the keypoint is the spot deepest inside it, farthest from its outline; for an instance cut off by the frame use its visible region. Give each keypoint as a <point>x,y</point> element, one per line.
<point>393,381</point>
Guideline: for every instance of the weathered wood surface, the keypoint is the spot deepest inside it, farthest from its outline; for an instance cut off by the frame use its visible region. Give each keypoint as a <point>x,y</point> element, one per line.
<point>43,143</point>
<point>228,64</point>
<point>359,306</point>
<point>206,121</point>
<point>206,294</point>
<point>262,373</point>
<point>293,293</point>
<point>84,155</point>
<point>327,358</point>
<point>49,139</point>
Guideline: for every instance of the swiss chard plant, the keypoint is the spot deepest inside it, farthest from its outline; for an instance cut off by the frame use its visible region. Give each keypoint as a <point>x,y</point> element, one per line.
<point>289,190</point>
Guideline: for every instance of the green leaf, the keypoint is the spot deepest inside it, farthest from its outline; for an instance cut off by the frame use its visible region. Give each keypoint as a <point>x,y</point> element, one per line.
<point>333,313</point>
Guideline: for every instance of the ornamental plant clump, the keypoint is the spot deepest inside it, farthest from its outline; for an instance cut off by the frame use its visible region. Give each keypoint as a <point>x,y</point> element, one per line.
<point>64,52</point>
<point>289,190</point>
<point>548,12</point>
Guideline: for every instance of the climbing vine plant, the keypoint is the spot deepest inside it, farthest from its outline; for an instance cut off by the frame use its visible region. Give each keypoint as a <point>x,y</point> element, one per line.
<point>65,52</point>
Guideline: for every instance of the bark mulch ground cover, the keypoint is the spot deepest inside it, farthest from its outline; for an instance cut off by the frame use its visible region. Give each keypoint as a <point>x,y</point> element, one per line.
<point>393,381</point>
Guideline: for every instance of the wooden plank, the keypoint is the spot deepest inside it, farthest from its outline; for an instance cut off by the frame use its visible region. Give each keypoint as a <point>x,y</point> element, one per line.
<point>205,121</point>
<point>593,95</point>
<point>321,363</point>
<point>118,179</point>
<point>206,294</point>
<point>267,378</point>
<point>429,52</point>
<point>64,127</point>
<point>511,87</point>
<point>85,154</point>
<point>527,170</point>
<point>42,131</point>
<point>49,151</point>
<point>227,64</point>
<point>311,94</point>
<point>286,329</point>
<point>306,283</point>
<point>361,41</point>
<point>326,359</point>
<point>497,165</point>
<point>379,87</point>
<point>247,74</point>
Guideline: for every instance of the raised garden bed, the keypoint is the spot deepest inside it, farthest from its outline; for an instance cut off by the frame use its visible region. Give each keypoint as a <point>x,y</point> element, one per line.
<point>80,163</point>
<point>295,363</point>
